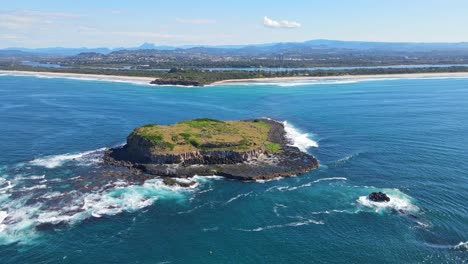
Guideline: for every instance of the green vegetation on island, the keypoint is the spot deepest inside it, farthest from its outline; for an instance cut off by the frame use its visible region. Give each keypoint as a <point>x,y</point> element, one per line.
<point>206,134</point>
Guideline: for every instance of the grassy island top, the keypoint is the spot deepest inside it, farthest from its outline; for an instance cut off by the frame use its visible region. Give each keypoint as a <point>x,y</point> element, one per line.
<point>207,134</point>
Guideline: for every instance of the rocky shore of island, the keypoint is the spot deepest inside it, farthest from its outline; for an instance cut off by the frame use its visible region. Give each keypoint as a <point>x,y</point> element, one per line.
<point>257,163</point>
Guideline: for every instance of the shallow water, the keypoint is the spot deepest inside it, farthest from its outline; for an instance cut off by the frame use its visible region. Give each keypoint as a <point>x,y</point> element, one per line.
<point>404,137</point>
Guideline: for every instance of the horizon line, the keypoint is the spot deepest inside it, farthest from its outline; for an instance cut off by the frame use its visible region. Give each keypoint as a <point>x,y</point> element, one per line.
<point>242,45</point>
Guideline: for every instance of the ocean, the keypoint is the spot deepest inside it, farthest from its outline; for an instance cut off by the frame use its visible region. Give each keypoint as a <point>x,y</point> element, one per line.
<point>405,137</point>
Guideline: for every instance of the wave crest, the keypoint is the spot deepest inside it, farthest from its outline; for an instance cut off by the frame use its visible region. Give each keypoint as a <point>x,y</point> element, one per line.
<point>21,217</point>
<point>83,158</point>
<point>299,139</point>
<point>462,245</point>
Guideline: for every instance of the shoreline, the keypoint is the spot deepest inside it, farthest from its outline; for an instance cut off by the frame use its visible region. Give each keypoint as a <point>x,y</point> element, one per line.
<point>345,77</point>
<point>94,77</point>
<point>147,80</point>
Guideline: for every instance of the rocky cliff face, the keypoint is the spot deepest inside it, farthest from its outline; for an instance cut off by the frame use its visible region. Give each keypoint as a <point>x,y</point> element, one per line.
<point>139,150</point>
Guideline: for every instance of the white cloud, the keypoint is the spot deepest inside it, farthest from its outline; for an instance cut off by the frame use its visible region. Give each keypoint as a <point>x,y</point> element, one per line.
<point>267,22</point>
<point>22,19</point>
<point>196,21</point>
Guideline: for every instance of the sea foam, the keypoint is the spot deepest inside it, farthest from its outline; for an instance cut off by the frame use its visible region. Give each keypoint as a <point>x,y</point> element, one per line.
<point>293,188</point>
<point>398,201</point>
<point>299,139</point>
<point>83,158</point>
<point>462,245</point>
<point>291,224</point>
<point>81,78</point>
<point>20,217</point>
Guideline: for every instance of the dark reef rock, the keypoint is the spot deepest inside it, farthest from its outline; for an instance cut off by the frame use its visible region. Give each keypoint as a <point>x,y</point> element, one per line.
<point>235,164</point>
<point>379,197</point>
<point>176,82</point>
<point>172,182</point>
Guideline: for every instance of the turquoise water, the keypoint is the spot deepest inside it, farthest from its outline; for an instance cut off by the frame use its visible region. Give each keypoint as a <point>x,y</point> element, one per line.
<point>405,137</point>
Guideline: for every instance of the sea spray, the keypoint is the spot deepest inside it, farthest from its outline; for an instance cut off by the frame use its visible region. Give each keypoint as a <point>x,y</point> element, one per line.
<point>398,201</point>
<point>84,158</point>
<point>299,139</point>
<point>21,217</point>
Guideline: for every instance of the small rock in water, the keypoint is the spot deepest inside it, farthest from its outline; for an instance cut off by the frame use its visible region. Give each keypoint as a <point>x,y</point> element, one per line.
<point>171,182</point>
<point>379,197</point>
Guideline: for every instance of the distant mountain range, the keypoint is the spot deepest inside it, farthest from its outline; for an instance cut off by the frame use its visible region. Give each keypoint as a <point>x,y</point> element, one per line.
<point>312,45</point>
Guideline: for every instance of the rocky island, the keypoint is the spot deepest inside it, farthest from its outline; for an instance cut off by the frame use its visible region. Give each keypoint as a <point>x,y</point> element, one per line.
<point>176,82</point>
<point>243,150</point>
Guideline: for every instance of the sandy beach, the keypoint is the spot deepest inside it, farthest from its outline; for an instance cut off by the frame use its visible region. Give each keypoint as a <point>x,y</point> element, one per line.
<point>347,77</point>
<point>147,80</point>
<point>97,77</point>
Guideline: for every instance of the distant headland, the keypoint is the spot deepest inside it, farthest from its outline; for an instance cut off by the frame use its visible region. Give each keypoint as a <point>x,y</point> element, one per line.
<point>244,150</point>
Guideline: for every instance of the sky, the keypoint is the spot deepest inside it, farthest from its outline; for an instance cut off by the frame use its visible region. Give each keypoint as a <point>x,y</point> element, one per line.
<point>129,23</point>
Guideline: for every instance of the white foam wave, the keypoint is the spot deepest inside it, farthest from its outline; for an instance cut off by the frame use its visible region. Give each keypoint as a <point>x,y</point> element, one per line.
<point>3,215</point>
<point>347,158</point>
<point>5,185</point>
<point>83,158</point>
<point>238,196</point>
<point>210,229</point>
<point>51,195</point>
<point>269,180</point>
<point>205,191</point>
<point>35,187</point>
<point>331,81</point>
<point>292,224</point>
<point>293,83</point>
<point>289,188</point>
<point>329,212</point>
<point>398,201</point>
<point>316,82</point>
<point>276,207</point>
<point>204,179</point>
<point>299,139</point>
<point>462,245</point>
<point>20,217</point>
<point>77,78</point>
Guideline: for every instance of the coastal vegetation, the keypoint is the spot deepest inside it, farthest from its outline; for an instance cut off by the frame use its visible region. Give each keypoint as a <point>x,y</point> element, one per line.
<point>199,77</point>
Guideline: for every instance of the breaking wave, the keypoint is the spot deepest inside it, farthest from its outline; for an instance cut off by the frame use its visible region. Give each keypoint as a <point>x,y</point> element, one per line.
<point>22,216</point>
<point>238,196</point>
<point>291,224</point>
<point>292,188</point>
<point>329,212</point>
<point>462,245</point>
<point>83,158</point>
<point>300,140</point>
<point>333,81</point>
<point>347,158</point>
<point>117,79</point>
<point>398,201</point>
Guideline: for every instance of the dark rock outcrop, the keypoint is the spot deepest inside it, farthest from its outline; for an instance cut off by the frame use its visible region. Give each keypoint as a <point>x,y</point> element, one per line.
<point>242,165</point>
<point>172,182</point>
<point>379,197</point>
<point>176,82</point>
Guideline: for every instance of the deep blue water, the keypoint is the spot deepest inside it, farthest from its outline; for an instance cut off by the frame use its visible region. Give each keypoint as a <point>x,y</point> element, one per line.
<point>408,138</point>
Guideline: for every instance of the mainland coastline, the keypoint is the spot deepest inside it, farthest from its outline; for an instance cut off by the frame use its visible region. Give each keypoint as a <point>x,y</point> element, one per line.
<point>148,80</point>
